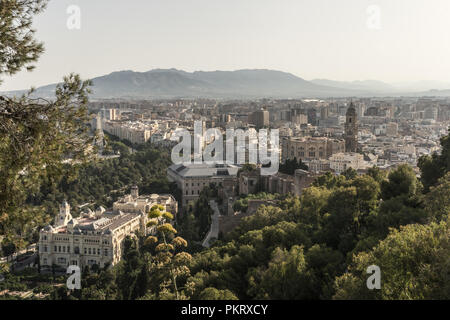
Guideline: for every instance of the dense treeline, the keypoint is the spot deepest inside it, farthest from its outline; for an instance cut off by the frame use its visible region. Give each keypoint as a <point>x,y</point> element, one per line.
<point>289,166</point>
<point>242,203</point>
<point>36,134</point>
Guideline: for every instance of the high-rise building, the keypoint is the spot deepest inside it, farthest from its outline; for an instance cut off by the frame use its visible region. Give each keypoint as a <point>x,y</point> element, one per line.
<point>324,113</point>
<point>351,129</point>
<point>260,118</point>
<point>312,116</point>
<point>99,135</point>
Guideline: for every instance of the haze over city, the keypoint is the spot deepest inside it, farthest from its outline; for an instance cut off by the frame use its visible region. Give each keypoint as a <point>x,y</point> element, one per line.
<point>322,39</point>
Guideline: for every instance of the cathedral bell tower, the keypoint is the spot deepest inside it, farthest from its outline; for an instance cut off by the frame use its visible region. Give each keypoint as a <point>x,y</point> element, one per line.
<point>351,129</point>
<point>64,216</point>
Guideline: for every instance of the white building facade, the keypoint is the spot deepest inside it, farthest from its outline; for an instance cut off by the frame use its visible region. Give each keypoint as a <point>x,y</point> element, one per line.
<point>96,238</point>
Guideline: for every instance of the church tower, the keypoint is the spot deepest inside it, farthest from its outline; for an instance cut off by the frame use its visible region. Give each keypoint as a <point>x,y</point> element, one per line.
<point>100,136</point>
<point>134,192</point>
<point>64,216</point>
<point>351,129</point>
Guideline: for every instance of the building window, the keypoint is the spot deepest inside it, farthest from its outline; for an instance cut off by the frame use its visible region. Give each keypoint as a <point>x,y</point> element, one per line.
<point>106,252</point>
<point>45,261</point>
<point>85,250</point>
<point>89,250</point>
<point>45,248</point>
<point>98,252</point>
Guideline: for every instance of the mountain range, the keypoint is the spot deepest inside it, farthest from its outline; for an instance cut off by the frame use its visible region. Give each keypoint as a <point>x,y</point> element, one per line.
<point>257,83</point>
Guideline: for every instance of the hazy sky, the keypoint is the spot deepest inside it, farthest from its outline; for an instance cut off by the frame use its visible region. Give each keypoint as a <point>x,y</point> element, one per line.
<point>309,38</point>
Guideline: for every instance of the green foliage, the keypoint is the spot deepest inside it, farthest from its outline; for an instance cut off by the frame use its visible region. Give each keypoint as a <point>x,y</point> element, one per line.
<point>350,173</point>
<point>401,181</point>
<point>285,277</point>
<point>377,174</point>
<point>414,265</point>
<point>435,166</point>
<point>289,166</point>
<point>329,180</point>
<point>36,135</point>
<point>242,203</point>
<point>437,201</point>
<point>214,294</point>
<point>18,48</point>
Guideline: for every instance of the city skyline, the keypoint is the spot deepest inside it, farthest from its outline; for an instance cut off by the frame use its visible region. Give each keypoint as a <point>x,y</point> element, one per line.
<point>312,40</point>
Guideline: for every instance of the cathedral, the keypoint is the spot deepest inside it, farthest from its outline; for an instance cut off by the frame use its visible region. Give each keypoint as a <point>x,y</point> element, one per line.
<point>351,129</point>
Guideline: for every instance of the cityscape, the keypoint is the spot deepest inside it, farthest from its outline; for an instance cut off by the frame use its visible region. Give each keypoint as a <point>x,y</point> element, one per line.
<point>242,184</point>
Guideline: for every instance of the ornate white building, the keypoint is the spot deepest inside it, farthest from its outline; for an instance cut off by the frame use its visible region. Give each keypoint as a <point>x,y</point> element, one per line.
<point>340,162</point>
<point>96,238</point>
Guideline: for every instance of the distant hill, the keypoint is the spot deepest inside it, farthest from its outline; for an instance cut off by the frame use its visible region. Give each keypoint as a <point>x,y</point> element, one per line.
<point>365,85</point>
<point>259,83</point>
<point>172,83</point>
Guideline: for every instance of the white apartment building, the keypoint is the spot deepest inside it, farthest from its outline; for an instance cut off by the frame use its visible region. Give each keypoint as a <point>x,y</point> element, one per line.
<point>340,162</point>
<point>135,132</point>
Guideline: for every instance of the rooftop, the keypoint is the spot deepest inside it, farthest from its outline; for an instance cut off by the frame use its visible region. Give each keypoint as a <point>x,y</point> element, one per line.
<point>204,170</point>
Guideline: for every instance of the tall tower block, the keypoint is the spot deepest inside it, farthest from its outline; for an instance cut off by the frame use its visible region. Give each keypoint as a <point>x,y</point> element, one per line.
<point>351,129</point>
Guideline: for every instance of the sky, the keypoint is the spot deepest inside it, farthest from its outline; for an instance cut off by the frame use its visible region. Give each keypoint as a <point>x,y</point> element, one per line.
<point>346,40</point>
